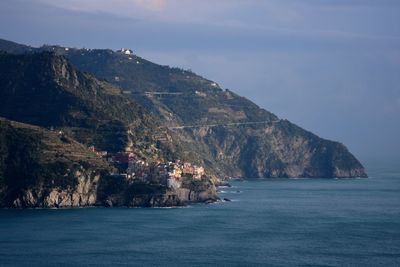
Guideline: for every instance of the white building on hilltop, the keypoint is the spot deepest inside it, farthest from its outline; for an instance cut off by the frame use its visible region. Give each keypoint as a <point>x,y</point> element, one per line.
<point>126,51</point>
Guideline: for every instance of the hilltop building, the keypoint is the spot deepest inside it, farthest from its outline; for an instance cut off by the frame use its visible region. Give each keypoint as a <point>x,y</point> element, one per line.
<point>126,51</point>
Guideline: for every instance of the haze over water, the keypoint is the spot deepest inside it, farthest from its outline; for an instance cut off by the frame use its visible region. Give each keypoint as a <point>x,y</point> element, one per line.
<point>276,222</point>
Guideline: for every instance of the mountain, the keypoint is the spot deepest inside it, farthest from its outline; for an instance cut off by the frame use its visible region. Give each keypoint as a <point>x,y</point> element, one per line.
<point>67,121</point>
<point>44,89</point>
<point>213,127</point>
<point>14,48</point>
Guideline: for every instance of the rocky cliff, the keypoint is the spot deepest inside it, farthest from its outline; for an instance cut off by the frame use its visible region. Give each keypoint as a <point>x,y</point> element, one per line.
<point>41,168</point>
<point>121,192</point>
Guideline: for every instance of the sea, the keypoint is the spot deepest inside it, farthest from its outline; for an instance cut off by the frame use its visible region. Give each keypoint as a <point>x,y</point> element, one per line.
<point>271,222</point>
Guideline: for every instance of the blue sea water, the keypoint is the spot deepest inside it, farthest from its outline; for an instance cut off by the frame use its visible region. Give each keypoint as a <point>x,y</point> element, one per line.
<point>296,222</point>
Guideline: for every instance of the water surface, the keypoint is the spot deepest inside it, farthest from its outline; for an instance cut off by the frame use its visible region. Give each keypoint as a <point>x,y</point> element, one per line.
<point>297,222</point>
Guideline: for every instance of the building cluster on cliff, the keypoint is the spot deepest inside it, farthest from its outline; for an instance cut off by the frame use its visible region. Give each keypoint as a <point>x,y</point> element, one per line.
<point>170,174</point>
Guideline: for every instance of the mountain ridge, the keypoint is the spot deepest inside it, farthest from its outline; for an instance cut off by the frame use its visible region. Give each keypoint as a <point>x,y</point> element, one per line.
<point>229,134</point>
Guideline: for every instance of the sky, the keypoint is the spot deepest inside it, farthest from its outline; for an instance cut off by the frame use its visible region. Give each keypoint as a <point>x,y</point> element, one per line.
<point>330,66</point>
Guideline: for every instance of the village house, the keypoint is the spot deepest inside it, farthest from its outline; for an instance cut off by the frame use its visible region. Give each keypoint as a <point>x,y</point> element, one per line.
<point>176,173</point>
<point>198,172</point>
<point>126,51</point>
<point>187,168</point>
<point>98,152</point>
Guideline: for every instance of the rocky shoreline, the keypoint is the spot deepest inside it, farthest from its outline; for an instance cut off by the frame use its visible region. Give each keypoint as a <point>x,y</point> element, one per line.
<point>95,192</point>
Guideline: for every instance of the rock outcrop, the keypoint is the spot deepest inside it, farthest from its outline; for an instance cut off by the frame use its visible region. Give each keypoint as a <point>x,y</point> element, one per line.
<point>83,195</point>
<point>115,191</point>
<point>87,194</point>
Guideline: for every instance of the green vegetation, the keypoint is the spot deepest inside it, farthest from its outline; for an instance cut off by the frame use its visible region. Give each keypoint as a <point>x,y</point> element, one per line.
<point>91,111</point>
<point>34,158</point>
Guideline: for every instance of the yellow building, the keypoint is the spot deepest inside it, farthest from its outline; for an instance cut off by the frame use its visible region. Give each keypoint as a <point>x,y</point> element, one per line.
<point>177,173</point>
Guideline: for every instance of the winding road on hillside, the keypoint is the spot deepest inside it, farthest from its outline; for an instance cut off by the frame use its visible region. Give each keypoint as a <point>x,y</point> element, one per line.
<point>219,124</point>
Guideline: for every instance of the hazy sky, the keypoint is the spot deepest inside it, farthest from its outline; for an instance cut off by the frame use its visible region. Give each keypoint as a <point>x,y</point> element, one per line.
<point>330,66</point>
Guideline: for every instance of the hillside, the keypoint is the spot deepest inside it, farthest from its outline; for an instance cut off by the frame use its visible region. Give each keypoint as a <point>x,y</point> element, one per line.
<point>83,143</point>
<point>44,89</point>
<point>213,127</point>
<point>41,168</point>
<point>48,169</point>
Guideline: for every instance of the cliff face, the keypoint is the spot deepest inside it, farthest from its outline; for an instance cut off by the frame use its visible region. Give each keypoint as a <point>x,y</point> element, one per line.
<point>121,192</point>
<point>277,149</point>
<point>41,168</point>
<point>82,195</point>
<point>88,193</point>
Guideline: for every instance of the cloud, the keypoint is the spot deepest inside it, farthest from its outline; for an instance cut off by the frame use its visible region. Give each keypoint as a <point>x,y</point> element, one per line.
<point>307,17</point>
<point>126,8</point>
<point>155,5</point>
